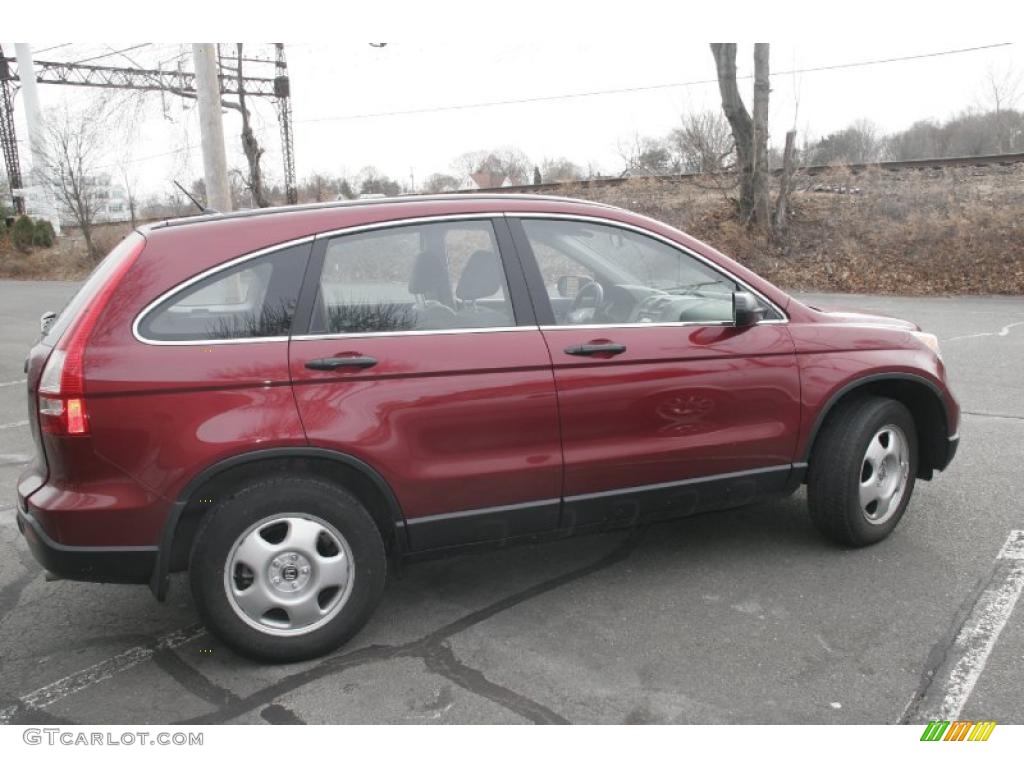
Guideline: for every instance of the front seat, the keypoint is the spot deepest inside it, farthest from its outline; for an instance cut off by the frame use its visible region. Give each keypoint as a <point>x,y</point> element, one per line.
<point>480,278</point>
<point>429,284</point>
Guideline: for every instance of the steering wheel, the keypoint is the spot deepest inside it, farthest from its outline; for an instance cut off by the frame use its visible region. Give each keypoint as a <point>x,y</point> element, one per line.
<point>590,296</point>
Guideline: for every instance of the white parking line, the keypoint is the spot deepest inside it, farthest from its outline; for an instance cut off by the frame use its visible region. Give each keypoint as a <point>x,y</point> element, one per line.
<point>97,673</point>
<point>11,383</point>
<point>977,637</point>
<point>13,424</point>
<point>1004,331</point>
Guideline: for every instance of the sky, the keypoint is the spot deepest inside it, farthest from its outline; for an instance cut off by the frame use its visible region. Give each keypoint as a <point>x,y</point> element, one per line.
<point>338,88</point>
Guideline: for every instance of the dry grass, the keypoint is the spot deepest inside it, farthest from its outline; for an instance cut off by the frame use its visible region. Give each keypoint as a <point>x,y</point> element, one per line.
<point>67,260</point>
<point>953,230</point>
<point>957,230</point>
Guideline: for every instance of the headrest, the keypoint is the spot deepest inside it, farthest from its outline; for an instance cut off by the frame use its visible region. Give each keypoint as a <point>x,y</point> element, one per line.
<point>429,277</point>
<point>481,276</point>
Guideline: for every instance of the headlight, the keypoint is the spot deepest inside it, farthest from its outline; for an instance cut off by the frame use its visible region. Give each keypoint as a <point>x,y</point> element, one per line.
<point>930,340</point>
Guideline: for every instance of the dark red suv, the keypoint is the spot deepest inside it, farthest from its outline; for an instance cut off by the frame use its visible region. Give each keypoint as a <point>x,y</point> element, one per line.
<point>284,401</point>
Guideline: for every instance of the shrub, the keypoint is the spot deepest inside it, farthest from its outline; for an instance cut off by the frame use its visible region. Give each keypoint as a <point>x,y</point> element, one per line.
<point>22,234</point>
<point>42,233</point>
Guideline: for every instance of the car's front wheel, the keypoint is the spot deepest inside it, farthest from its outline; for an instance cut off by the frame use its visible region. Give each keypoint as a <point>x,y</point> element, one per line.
<point>862,470</point>
<point>287,568</point>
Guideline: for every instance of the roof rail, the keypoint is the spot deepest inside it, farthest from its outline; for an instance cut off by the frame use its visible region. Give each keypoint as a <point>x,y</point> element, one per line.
<point>404,199</point>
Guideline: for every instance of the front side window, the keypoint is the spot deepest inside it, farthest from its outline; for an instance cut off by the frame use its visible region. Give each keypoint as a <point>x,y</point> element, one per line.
<point>602,274</point>
<point>426,277</point>
<point>253,299</point>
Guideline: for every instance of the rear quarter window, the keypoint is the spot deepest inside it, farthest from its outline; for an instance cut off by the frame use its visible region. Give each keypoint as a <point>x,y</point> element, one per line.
<point>252,299</point>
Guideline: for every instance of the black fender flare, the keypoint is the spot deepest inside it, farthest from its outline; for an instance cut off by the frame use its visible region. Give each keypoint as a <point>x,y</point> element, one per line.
<point>863,381</point>
<point>160,579</point>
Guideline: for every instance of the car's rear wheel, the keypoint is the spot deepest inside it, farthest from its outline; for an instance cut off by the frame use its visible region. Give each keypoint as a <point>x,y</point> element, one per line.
<point>287,568</point>
<point>862,470</point>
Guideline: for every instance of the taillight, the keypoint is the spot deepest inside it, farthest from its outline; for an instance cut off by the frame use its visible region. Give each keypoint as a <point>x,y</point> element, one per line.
<point>62,403</point>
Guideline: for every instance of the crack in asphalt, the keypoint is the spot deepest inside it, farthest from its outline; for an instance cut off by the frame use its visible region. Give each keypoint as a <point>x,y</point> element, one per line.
<point>192,679</point>
<point>441,660</point>
<point>995,415</point>
<point>435,654</point>
<point>939,653</point>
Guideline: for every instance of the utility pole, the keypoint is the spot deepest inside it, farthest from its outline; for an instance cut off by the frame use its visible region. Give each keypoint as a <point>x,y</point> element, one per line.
<point>40,198</point>
<point>211,127</point>
<point>30,98</point>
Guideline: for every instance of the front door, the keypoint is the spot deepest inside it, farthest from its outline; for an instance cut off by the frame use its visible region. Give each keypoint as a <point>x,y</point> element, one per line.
<point>418,361</point>
<point>666,407</point>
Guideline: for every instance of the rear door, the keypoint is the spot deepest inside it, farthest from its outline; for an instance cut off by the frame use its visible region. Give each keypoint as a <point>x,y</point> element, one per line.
<point>421,356</point>
<point>665,406</point>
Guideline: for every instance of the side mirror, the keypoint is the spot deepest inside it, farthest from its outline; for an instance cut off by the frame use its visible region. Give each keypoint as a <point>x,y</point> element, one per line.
<point>570,285</point>
<point>46,321</point>
<point>746,309</point>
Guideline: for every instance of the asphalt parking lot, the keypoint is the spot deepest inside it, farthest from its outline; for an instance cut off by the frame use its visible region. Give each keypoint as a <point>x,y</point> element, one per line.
<point>739,617</point>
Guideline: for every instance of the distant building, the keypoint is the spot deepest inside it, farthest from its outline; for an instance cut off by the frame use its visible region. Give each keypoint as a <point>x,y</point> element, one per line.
<point>111,199</point>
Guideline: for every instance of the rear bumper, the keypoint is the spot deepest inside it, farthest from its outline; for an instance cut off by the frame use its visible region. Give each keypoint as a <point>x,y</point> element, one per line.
<point>123,565</point>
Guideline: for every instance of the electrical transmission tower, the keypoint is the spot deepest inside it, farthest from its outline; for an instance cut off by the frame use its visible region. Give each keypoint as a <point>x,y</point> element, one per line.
<point>282,91</point>
<point>178,82</point>
<point>8,139</point>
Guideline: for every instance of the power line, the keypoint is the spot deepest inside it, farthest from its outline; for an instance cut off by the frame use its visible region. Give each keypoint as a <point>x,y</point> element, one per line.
<point>112,53</point>
<point>52,48</point>
<point>635,89</point>
<point>180,150</point>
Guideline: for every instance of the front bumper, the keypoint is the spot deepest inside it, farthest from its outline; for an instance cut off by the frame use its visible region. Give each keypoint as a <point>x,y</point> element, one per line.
<point>123,565</point>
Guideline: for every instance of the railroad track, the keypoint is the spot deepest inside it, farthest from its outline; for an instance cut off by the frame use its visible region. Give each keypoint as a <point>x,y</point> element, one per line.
<point>806,170</point>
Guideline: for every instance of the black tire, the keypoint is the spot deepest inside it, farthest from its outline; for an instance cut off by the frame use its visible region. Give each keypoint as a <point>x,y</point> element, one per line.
<point>312,499</point>
<point>838,466</point>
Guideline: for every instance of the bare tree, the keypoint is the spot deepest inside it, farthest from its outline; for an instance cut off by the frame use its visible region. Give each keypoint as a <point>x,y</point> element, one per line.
<point>494,167</point>
<point>373,182</point>
<point>857,143</point>
<point>440,182</point>
<point>750,136</point>
<point>739,121</point>
<point>250,146</point>
<point>73,146</point>
<point>558,169</point>
<point>703,143</point>
<point>1003,91</point>
<point>129,181</point>
<point>647,156</point>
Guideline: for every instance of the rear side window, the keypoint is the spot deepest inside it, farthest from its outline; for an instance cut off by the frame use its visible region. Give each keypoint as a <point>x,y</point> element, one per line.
<point>253,299</point>
<point>426,277</point>
<point>96,280</point>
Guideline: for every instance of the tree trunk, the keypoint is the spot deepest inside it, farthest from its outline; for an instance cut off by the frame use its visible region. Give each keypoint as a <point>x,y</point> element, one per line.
<point>739,121</point>
<point>90,248</point>
<point>759,149</point>
<point>250,146</point>
<point>785,185</point>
